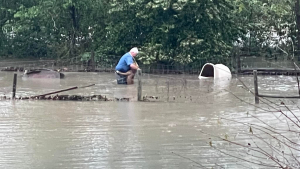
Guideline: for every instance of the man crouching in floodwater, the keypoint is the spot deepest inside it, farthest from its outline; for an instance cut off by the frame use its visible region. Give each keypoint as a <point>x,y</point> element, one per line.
<point>127,67</point>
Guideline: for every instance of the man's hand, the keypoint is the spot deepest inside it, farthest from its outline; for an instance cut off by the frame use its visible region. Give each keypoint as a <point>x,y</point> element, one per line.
<point>133,66</point>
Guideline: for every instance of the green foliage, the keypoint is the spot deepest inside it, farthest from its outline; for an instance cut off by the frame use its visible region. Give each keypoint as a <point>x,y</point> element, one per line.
<point>261,19</point>
<point>170,32</point>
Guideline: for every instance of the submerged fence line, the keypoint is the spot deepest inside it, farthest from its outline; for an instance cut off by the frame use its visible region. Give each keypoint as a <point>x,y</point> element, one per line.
<point>170,89</point>
<point>257,95</point>
<point>51,96</point>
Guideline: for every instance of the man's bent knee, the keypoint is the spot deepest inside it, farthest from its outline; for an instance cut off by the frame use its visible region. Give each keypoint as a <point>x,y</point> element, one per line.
<point>130,77</point>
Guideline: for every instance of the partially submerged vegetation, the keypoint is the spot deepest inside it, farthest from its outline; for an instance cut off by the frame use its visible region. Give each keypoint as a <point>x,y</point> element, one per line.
<point>267,137</point>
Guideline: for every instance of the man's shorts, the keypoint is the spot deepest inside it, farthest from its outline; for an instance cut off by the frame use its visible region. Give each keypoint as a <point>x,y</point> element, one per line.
<point>121,79</point>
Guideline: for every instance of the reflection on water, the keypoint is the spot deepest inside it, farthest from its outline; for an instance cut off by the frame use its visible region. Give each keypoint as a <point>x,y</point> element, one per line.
<point>75,134</point>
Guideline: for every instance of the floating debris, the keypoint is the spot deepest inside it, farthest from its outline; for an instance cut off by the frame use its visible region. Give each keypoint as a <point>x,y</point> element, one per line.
<point>13,69</point>
<point>68,98</point>
<point>122,99</point>
<point>150,98</point>
<point>43,73</point>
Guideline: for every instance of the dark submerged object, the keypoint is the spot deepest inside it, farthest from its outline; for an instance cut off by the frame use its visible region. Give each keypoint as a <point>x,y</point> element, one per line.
<point>43,73</point>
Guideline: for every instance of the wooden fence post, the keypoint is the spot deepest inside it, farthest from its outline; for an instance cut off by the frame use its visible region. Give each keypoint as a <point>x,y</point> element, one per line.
<point>14,86</point>
<point>139,72</point>
<point>255,87</point>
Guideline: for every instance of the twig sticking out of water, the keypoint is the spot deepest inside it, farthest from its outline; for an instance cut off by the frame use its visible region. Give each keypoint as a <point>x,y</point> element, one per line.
<point>189,159</point>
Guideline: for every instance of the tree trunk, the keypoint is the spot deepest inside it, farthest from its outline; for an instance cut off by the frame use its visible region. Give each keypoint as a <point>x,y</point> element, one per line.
<point>73,32</point>
<point>297,13</point>
<point>238,61</point>
<point>93,60</point>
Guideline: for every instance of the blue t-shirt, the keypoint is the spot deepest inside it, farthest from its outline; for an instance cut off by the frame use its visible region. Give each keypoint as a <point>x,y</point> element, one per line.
<point>124,63</point>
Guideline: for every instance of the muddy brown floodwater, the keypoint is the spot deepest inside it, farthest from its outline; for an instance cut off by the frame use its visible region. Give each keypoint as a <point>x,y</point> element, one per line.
<point>163,133</point>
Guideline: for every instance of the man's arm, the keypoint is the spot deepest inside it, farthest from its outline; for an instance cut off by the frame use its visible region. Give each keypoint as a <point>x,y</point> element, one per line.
<point>134,66</point>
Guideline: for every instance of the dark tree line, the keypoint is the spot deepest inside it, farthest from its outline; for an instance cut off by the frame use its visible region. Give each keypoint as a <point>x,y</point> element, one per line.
<point>170,32</point>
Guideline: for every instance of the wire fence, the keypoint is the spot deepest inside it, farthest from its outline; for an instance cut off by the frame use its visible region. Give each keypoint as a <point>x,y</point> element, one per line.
<point>177,88</point>
<point>99,67</point>
<point>182,88</point>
